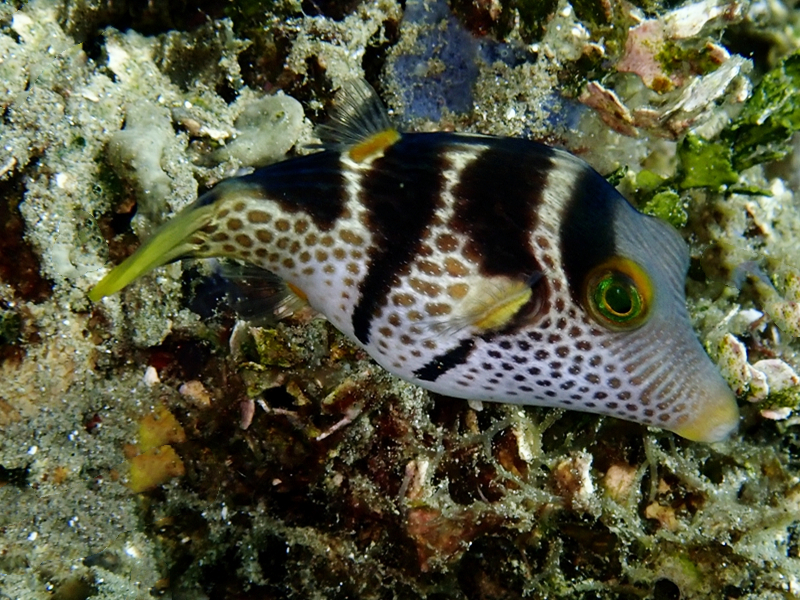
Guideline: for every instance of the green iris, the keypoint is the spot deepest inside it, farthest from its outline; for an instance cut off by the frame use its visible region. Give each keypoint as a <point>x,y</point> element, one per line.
<point>617,299</point>
<point>618,294</point>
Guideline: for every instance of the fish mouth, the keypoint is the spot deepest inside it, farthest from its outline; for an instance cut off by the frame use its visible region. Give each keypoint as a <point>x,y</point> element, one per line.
<point>678,386</point>
<point>715,417</point>
<point>711,413</point>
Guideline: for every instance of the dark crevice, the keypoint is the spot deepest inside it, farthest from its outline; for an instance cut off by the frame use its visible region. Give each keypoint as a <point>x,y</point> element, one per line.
<point>376,52</point>
<point>19,264</point>
<point>147,18</point>
<point>226,91</point>
<point>16,476</point>
<point>262,63</point>
<point>333,9</point>
<point>95,48</point>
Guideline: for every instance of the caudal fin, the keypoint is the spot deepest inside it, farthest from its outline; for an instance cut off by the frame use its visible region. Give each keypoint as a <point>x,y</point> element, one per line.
<point>173,240</point>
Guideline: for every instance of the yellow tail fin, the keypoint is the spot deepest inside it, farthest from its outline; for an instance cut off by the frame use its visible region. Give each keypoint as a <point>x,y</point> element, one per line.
<point>169,243</point>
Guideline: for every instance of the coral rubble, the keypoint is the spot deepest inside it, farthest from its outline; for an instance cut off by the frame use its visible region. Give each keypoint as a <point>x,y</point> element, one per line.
<point>154,444</point>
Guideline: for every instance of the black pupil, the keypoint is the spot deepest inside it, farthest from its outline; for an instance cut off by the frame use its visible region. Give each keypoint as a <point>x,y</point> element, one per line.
<point>618,299</point>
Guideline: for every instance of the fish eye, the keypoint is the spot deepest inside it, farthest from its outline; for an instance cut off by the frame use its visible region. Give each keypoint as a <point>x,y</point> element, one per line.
<point>619,294</point>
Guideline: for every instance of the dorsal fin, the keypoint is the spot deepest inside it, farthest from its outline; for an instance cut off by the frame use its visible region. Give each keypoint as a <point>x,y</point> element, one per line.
<point>358,120</point>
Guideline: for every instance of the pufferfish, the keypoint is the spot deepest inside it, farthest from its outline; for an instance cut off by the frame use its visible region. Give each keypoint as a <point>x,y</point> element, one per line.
<point>477,267</point>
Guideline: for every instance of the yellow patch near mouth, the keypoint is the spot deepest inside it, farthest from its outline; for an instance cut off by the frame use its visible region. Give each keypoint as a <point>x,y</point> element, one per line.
<point>714,420</point>
<point>374,146</point>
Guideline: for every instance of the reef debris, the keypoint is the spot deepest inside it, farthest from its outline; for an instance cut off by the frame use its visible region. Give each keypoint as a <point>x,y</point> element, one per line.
<point>324,477</point>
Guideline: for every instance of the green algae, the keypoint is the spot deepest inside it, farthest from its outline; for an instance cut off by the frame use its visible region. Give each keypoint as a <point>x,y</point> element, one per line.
<point>750,190</point>
<point>705,164</point>
<point>762,131</point>
<point>656,196</point>
<point>675,57</point>
<point>649,182</point>
<point>270,511</point>
<point>786,398</point>
<point>667,206</point>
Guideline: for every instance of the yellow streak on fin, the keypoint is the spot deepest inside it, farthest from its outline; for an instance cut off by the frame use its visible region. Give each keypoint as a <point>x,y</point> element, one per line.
<point>374,146</point>
<point>494,306</point>
<point>167,244</point>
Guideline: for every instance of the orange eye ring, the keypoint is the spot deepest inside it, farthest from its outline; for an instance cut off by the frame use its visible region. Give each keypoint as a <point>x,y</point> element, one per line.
<point>618,294</point>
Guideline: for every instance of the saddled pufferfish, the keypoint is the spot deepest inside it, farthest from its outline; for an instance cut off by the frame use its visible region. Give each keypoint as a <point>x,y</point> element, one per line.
<point>478,267</point>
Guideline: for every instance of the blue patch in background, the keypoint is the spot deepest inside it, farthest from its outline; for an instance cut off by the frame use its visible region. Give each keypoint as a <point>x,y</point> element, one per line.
<point>443,69</point>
